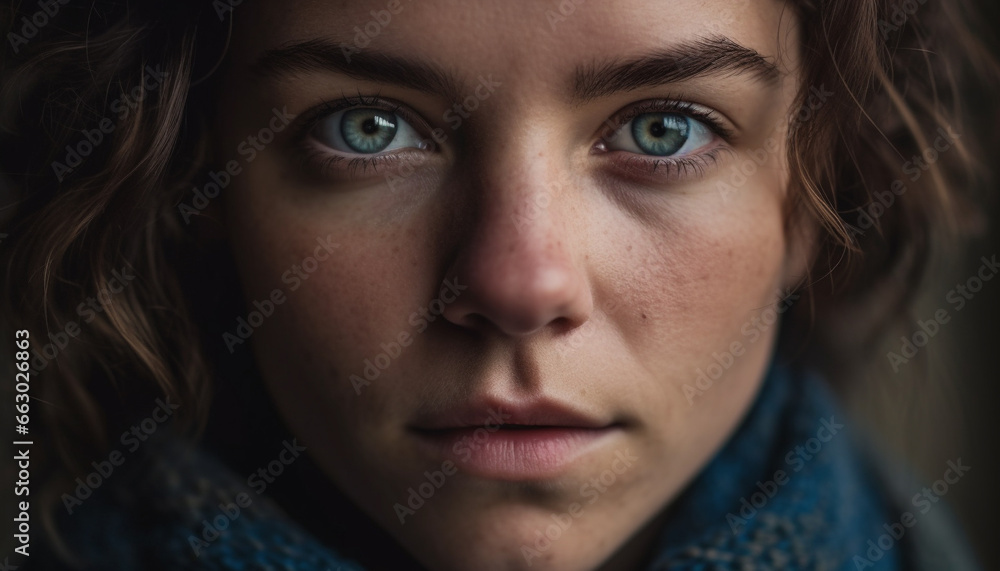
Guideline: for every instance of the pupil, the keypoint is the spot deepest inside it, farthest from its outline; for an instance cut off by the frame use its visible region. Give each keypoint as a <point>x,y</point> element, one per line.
<point>660,134</point>
<point>368,130</point>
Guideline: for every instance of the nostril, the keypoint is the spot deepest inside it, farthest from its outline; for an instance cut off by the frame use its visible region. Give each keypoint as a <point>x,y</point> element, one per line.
<point>562,325</point>
<point>477,321</point>
<point>505,324</point>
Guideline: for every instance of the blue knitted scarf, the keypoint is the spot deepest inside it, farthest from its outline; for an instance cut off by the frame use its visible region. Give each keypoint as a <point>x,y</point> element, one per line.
<point>787,491</point>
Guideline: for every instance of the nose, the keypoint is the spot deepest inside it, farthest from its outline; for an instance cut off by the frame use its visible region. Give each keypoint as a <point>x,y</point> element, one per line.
<point>522,253</point>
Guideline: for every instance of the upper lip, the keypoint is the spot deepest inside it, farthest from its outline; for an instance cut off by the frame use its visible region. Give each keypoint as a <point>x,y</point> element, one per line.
<point>488,411</point>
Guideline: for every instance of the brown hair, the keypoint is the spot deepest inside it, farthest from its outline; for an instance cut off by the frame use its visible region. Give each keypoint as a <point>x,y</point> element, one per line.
<point>71,227</point>
<point>900,72</point>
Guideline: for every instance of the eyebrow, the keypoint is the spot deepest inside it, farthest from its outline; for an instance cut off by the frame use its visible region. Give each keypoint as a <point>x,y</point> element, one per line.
<point>321,55</point>
<point>705,56</point>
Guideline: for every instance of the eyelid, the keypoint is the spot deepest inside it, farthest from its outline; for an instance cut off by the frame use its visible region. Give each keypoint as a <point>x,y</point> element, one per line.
<point>316,159</point>
<point>712,119</point>
<point>648,169</point>
<point>310,118</point>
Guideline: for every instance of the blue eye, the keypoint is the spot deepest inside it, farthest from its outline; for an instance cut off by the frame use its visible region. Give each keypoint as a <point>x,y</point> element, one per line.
<point>366,131</point>
<point>661,134</point>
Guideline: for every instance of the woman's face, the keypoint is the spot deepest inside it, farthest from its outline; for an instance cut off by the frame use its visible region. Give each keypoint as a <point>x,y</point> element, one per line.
<point>512,287</point>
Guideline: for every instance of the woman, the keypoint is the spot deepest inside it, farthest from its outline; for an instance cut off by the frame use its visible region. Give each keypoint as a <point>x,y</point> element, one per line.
<point>473,286</point>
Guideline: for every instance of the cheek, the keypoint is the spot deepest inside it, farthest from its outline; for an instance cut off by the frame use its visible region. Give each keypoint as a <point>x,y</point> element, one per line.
<point>337,312</point>
<point>317,352</point>
<point>699,273</point>
<point>698,277</point>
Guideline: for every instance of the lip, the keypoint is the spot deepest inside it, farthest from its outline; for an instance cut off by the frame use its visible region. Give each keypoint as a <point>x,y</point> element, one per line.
<point>512,441</point>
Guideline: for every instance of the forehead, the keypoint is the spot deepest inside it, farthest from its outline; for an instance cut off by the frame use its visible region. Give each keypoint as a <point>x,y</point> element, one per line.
<point>527,39</point>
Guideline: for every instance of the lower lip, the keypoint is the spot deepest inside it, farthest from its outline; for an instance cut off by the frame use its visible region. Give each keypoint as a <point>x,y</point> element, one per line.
<point>514,454</point>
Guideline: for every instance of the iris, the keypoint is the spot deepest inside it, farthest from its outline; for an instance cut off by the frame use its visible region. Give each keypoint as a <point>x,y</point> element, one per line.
<point>661,134</point>
<point>368,130</point>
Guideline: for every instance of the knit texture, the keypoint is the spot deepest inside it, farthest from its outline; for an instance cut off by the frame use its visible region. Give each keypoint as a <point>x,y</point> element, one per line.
<point>788,491</point>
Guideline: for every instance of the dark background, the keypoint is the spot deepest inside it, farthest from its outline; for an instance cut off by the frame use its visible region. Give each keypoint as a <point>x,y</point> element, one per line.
<point>946,407</point>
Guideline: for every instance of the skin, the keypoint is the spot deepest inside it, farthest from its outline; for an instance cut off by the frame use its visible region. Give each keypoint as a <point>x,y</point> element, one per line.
<point>602,288</point>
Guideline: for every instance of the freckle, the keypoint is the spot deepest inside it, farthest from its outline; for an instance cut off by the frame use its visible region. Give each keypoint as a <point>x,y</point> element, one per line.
<point>644,316</point>
<point>628,248</point>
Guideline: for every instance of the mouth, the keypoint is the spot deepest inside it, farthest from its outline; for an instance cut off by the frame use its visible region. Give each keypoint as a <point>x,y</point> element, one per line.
<point>510,441</point>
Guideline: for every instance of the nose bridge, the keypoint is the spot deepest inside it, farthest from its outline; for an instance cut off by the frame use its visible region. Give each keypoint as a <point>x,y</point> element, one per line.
<point>527,193</point>
<point>518,154</point>
<point>521,258</point>
<point>523,194</point>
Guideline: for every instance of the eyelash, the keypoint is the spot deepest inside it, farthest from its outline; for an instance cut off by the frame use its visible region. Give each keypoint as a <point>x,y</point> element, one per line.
<point>674,168</point>
<point>329,164</point>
